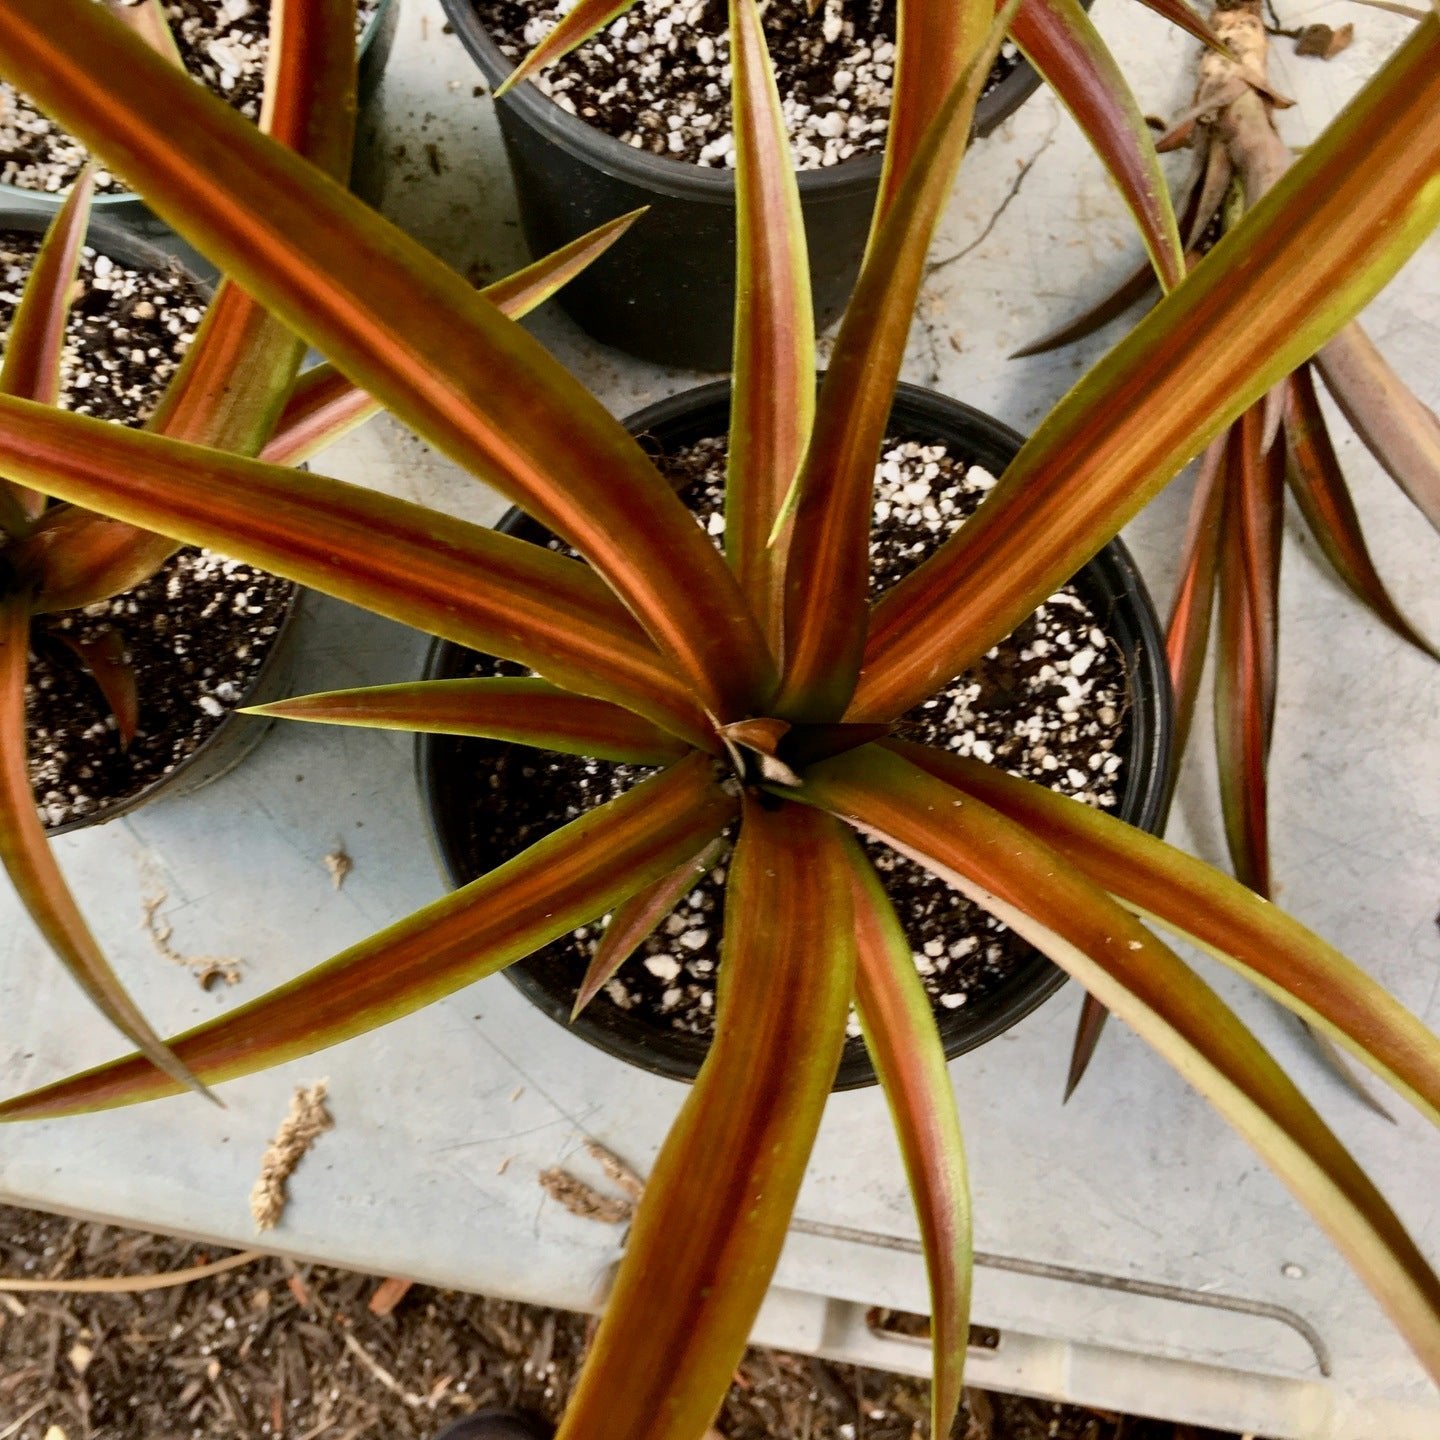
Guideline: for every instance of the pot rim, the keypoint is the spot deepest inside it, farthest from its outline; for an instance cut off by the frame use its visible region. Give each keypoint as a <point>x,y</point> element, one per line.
<point>106,236</point>
<point>129,206</point>
<point>683,179</point>
<point>1143,803</point>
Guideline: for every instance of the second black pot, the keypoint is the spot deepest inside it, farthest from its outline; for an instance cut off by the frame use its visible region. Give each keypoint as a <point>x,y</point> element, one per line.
<point>666,292</point>
<point>1111,586</point>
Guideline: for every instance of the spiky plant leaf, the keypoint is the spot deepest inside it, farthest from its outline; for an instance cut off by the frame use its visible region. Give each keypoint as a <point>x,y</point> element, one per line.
<point>1227,920</point>
<point>828,569</point>
<point>772,404</point>
<point>1246,625</point>
<point>898,1022</point>
<point>1318,484</point>
<point>521,711</point>
<point>708,1231</point>
<point>574,874</point>
<point>460,581</point>
<point>634,921</point>
<point>1400,431</point>
<point>324,405</point>
<point>36,338</point>
<point>1061,42</point>
<point>25,852</point>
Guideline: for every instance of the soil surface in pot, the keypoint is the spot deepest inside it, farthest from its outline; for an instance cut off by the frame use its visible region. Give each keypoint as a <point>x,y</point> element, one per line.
<point>1050,704</point>
<point>198,631</point>
<point>225,45</point>
<point>658,77</point>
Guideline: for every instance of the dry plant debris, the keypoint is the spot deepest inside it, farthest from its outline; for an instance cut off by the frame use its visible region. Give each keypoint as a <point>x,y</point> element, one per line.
<point>209,970</point>
<point>583,1199</point>
<point>307,1121</point>
<point>339,864</point>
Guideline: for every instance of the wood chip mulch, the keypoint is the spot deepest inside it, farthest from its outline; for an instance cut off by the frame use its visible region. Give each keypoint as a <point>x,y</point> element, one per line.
<point>308,1353</point>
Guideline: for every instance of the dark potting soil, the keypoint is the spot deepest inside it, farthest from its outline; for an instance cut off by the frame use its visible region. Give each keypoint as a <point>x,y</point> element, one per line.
<point>224,44</point>
<point>658,77</point>
<point>127,333</point>
<point>198,631</point>
<point>1050,703</point>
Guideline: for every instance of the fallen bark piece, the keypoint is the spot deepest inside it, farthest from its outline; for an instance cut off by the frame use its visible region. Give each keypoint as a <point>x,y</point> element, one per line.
<point>388,1294</point>
<point>307,1120</point>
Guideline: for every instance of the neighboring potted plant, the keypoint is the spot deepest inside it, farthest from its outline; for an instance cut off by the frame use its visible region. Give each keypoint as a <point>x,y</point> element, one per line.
<point>132,697</point>
<point>222,45</point>
<point>1099,731</point>
<point>1230,566</point>
<point>667,293</point>
<point>764,687</point>
<point>69,571</point>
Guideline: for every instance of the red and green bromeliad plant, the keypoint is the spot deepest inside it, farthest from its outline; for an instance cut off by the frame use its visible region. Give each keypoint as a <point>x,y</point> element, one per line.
<point>715,668</point>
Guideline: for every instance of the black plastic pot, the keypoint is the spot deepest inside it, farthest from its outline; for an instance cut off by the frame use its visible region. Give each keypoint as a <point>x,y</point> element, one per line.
<point>666,291</point>
<point>125,207</point>
<point>1110,584</point>
<point>236,735</point>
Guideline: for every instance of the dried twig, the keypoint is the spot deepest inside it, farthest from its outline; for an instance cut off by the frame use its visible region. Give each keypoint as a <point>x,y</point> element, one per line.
<point>134,1284</point>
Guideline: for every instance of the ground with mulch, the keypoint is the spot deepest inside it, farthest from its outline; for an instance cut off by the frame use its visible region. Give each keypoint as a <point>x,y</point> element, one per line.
<point>282,1350</point>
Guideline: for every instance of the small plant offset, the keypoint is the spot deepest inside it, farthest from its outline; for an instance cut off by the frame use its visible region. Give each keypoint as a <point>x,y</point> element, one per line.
<point>762,683</point>
<point>1230,567</point>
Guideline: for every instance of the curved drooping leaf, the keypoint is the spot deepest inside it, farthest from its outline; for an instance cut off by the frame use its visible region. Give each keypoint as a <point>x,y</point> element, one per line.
<point>1318,484</point>
<point>1308,256</point>
<point>1294,967</point>
<point>634,921</point>
<point>402,325</point>
<point>1204,192</point>
<point>1399,430</point>
<point>1061,42</point>
<point>772,403</point>
<point>564,880</point>
<point>1247,631</point>
<point>36,338</point>
<point>522,711</point>
<point>1050,903</point>
<point>708,1231</point>
<point>828,570</point>
<point>464,582</point>
<point>323,405</point>
<point>26,855</point>
<point>898,1022</point>
<point>1187,634</point>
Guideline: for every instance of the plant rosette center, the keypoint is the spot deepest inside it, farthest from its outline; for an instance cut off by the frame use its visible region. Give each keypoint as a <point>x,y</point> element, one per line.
<point>1051,703</point>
